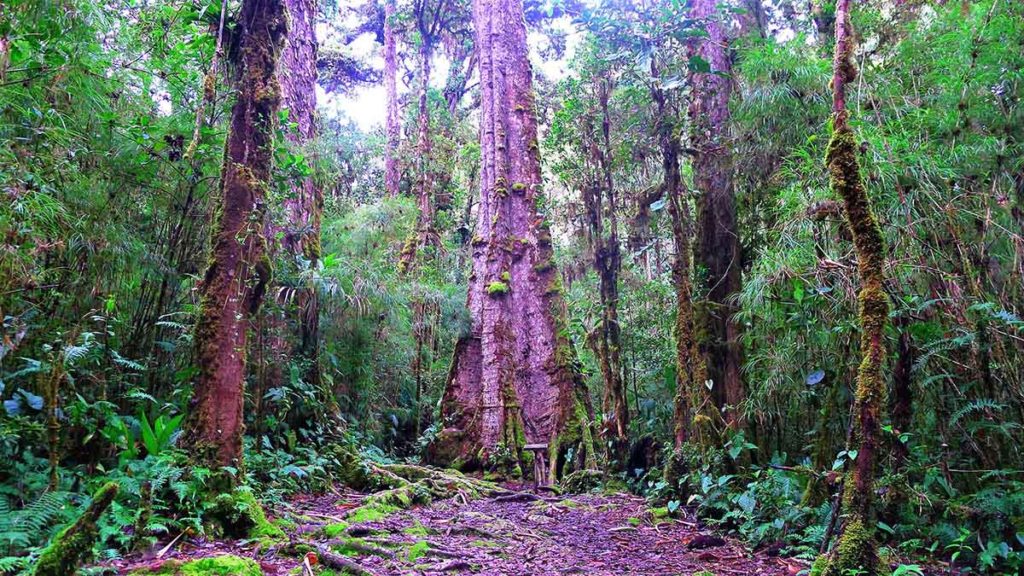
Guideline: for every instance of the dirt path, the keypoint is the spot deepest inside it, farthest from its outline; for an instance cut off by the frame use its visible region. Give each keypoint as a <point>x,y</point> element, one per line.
<point>594,535</point>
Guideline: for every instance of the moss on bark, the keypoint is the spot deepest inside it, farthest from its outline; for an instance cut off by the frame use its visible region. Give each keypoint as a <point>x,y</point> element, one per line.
<point>238,514</point>
<point>73,545</point>
<point>857,550</point>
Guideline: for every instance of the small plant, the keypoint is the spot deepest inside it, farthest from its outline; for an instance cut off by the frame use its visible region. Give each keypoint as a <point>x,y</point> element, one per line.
<point>497,288</point>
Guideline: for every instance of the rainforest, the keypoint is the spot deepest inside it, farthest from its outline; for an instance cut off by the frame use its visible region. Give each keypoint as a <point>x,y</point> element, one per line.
<point>512,287</point>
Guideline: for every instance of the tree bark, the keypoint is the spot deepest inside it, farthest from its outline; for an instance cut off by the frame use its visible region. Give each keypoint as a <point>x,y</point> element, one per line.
<point>688,419</point>
<point>600,200</point>
<point>304,210</point>
<point>392,173</point>
<point>239,268</point>
<point>424,176</point>
<point>857,549</point>
<point>717,247</point>
<point>514,378</point>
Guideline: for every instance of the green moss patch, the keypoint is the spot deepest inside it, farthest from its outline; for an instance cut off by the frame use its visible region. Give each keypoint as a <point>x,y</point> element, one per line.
<point>370,513</point>
<point>418,550</point>
<point>334,529</point>
<point>226,565</point>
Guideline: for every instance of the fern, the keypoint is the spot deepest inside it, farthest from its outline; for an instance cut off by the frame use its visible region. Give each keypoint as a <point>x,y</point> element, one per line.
<point>982,404</point>
<point>21,529</point>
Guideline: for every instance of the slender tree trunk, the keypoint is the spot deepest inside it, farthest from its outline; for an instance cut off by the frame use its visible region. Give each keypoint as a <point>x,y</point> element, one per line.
<point>688,418</point>
<point>239,269</point>
<point>902,396</point>
<point>392,174</point>
<point>717,248</point>
<point>513,379</point>
<point>424,178</point>
<point>425,234</point>
<point>857,548</point>
<point>607,262</point>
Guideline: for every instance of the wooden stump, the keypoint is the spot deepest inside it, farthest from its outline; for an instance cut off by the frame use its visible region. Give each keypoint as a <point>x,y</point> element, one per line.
<point>540,467</point>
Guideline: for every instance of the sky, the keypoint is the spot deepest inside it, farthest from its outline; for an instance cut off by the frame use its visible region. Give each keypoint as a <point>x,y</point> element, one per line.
<point>366,105</point>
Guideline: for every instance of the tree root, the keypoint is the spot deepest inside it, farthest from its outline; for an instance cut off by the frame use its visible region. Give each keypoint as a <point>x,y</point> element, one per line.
<point>355,545</point>
<point>411,485</point>
<point>333,560</point>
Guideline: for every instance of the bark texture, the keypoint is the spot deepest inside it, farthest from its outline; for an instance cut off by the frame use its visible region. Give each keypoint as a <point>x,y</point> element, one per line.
<point>239,268</point>
<point>717,250</point>
<point>600,201</point>
<point>689,419</point>
<point>392,173</point>
<point>857,550</point>
<point>514,378</point>
<point>304,208</point>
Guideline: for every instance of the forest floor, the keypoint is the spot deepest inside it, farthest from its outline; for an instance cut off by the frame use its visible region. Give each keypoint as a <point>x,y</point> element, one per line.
<point>519,534</point>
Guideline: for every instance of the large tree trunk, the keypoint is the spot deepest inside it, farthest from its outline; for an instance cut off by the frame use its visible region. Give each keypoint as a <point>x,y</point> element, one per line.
<point>857,550</point>
<point>717,247</point>
<point>514,378</point>
<point>392,175</point>
<point>305,208</point>
<point>239,268</point>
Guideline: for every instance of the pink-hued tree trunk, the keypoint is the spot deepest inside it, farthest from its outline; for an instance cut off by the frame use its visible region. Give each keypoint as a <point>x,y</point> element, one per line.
<point>392,173</point>
<point>424,145</point>
<point>239,269</point>
<point>717,247</point>
<point>304,209</point>
<point>513,379</point>
<point>289,333</point>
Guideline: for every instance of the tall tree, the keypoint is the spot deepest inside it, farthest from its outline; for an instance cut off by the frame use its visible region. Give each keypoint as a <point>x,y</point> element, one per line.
<point>717,247</point>
<point>239,268</point>
<point>599,200</point>
<point>857,550</point>
<point>689,366</point>
<point>513,378</point>
<point>433,19</point>
<point>392,126</point>
<point>304,207</point>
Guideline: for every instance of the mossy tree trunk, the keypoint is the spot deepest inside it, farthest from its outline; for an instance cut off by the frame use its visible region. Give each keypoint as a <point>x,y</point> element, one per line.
<point>857,549</point>
<point>600,204</point>
<point>717,250</point>
<point>73,545</point>
<point>304,210</point>
<point>239,268</point>
<point>514,378</point>
<point>289,331</point>
<point>689,421</point>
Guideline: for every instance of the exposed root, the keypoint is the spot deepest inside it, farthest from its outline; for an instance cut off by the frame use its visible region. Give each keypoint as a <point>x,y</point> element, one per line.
<point>333,560</point>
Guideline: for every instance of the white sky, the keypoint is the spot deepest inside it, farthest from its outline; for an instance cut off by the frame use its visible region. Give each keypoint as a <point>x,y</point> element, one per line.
<point>367,106</point>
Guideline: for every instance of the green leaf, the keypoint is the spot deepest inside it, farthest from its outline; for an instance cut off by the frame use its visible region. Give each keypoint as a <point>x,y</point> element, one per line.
<point>698,64</point>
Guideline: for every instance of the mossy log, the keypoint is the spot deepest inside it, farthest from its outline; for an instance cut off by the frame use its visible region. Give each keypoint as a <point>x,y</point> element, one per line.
<point>73,545</point>
<point>240,515</point>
